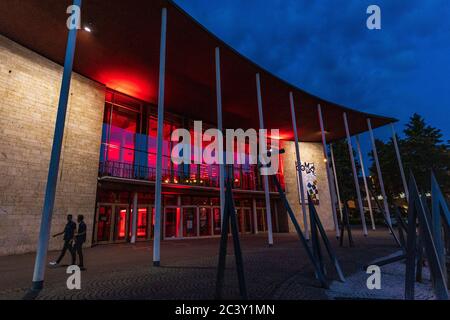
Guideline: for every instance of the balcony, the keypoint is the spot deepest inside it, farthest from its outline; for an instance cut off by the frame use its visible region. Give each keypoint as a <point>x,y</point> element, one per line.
<point>204,175</point>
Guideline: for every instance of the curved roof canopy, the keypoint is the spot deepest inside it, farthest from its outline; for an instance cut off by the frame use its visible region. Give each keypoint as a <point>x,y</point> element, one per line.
<point>122,52</point>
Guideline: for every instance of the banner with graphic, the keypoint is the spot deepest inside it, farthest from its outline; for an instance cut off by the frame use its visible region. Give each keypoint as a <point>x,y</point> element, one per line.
<point>310,183</point>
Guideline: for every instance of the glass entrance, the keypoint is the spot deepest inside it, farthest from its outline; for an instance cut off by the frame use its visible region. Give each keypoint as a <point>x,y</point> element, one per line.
<point>244,219</point>
<point>145,222</point>
<point>142,223</point>
<point>114,223</point>
<point>190,222</point>
<point>248,222</point>
<point>171,222</point>
<point>261,219</point>
<point>240,220</point>
<point>104,218</point>
<point>205,221</point>
<point>121,223</point>
<point>216,220</point>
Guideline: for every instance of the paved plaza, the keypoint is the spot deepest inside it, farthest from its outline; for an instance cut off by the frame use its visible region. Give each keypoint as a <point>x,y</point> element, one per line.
<point>188,269</point>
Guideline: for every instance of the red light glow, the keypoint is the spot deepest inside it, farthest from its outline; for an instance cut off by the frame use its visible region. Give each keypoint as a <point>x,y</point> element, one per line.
<point>142,222</point>
<point>280,136</point>
<point>130,83</point>
<point>122,223</point>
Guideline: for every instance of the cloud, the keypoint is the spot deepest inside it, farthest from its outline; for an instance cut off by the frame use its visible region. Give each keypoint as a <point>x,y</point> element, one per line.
<point>325,48</point>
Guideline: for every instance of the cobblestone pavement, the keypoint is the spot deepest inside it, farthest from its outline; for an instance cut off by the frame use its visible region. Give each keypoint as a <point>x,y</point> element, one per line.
<point>188,270</point>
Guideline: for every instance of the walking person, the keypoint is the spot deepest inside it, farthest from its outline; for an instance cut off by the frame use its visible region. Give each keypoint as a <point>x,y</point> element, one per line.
<point>69,232</point>
<point>80,238</point>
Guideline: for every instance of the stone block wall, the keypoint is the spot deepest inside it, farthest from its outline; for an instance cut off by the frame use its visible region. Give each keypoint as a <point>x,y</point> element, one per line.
<point>312,153</point>
<point>29,92</point>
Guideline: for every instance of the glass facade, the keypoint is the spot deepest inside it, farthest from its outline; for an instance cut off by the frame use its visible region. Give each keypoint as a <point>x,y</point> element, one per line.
<point>183,216</point>
<point>129,151</point>
<point>129,141</point>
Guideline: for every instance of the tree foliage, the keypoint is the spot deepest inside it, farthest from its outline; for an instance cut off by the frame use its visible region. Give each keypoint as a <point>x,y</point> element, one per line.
<point>422,149</point>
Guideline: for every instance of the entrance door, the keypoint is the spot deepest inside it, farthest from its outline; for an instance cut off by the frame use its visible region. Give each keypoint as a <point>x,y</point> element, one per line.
<point>261,219</point>
<point>142,223</point>
<point>103,226</point>
<point>248,222</point>
<point>190,222</point>
<point>121,223</point>
<point>244,219</point>
<point>216,220</point>
<point>205,221</point>
<point>171,222</point>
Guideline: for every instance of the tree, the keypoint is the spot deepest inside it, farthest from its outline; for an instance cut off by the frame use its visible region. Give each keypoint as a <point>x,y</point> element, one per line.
<point>422,150</point>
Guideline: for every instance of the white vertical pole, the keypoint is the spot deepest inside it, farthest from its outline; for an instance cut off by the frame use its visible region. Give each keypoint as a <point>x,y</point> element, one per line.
<point>158,185</point>
<point>336,182</point>
<point>52,178</point>
<point>265,177</point>
<point>327,168</point>
<point>366,186</point>
<point>355,175</point>
<point>380,176</point>
<point>299,167</point>
<point>400,163</point>
<point>134,218</point>
<point>220,128</point>
<point>255,217</point>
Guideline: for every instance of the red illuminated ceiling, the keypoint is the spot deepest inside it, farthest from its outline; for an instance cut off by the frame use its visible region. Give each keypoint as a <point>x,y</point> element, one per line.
<point>122,52</point>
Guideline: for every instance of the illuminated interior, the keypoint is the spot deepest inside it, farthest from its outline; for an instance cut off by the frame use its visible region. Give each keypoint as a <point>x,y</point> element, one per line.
<point>129,148</point>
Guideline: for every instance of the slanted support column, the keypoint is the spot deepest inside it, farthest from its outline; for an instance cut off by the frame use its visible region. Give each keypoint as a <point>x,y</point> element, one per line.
<point>158,184</point>
<point>220,128</point>
<point>301,190</point>
<point>380,175</point>
<point>50,191</point>
<point>400,163</point>
<point>355,175</point>
<point>134,218</point>
<point>327,167</point>
<point>265,177</point>
<point>338,193</point>
<point>366,186</point>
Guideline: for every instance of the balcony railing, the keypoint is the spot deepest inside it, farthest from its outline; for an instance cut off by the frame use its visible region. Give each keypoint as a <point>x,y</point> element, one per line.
<point>243,179</point>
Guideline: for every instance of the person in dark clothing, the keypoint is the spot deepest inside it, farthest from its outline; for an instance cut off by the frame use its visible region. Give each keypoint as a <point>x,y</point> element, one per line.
<point>69,232</point>
<point>80,238</point>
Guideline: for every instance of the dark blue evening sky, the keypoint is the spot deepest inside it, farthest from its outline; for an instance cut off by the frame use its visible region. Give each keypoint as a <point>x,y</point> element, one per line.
<point>324,47</point>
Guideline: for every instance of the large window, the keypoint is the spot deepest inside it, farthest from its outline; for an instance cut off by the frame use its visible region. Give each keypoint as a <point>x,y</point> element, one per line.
<point>121,145</point>
<point>169,169</point>
<point>129,148</point>
<point>121,126</point>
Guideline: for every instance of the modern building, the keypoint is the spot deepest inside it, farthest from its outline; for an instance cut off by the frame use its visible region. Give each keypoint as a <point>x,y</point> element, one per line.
<point>108,161</point>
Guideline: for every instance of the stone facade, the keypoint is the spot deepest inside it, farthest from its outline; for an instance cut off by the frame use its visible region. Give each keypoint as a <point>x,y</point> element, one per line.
<point>310,153</point>
<point>29,92</point>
